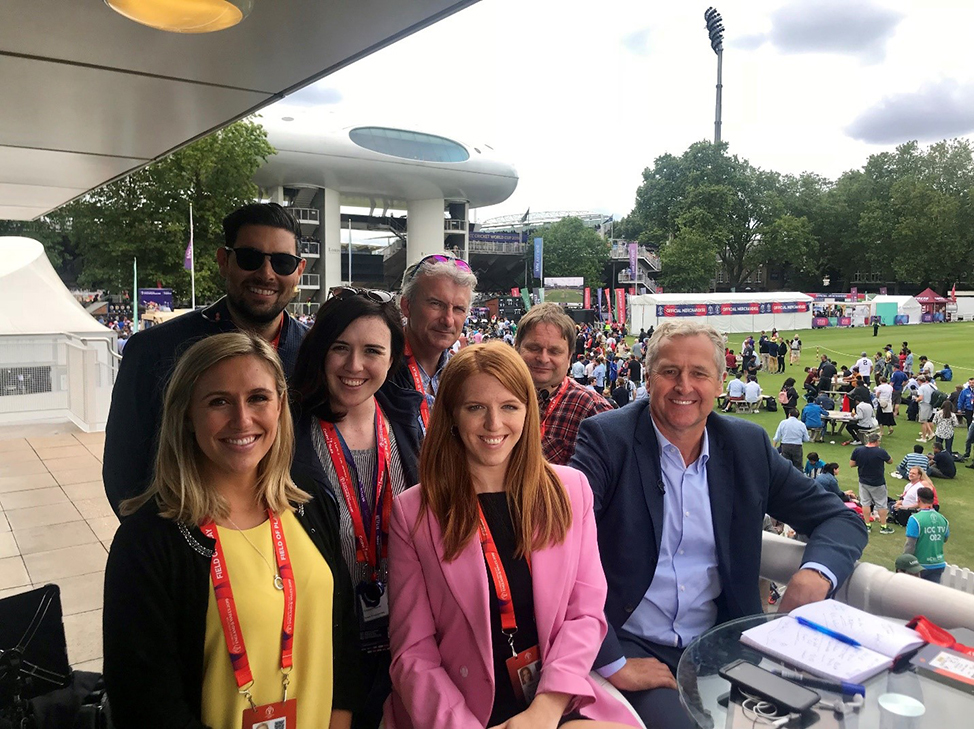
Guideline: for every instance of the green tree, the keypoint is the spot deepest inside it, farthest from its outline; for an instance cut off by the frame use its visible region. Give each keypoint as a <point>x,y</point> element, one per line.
<point>146,214</point>
<point>571,249</point>
<point>688,261</point>
<point>727,196</point>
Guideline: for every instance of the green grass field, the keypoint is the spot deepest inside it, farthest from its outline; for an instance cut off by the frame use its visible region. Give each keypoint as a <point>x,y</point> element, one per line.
<point>952,343</point>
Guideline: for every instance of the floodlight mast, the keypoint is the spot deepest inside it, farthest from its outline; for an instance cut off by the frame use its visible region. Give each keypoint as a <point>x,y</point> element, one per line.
<point>715,27</point>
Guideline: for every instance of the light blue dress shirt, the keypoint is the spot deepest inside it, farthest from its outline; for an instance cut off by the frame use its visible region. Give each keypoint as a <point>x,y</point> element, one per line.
<point>679,604</point>
<point>791,431</point>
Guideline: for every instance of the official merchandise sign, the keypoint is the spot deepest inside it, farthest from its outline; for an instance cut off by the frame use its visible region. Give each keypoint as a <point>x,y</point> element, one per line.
<point>731,309</point>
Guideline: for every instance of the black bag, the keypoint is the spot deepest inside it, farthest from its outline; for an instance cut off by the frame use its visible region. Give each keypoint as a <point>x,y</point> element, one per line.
<point>770,404</point>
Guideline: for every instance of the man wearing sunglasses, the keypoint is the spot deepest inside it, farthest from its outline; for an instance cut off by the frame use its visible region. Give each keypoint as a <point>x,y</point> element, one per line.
<point>436,294</point>
<point>261,268</point>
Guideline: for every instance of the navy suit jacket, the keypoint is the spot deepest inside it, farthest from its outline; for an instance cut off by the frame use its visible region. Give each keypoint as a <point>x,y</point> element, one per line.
<point>619,453</point>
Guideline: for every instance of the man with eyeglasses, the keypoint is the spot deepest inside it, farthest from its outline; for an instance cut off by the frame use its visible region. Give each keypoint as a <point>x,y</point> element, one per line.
<point>261,269</point>
<point>435,300</point>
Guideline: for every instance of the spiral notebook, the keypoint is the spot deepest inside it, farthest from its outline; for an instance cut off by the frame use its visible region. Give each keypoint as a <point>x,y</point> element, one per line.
<point>882,641</point>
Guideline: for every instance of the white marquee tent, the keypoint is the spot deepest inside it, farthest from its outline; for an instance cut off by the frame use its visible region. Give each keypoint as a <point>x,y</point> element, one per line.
<point>731,313</point>
<point>56,361</point>
<point>33,300</point>
<point>886,307</point>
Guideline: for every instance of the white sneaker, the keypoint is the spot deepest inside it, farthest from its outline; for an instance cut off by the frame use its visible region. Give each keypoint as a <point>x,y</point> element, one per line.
<point>896,474</point>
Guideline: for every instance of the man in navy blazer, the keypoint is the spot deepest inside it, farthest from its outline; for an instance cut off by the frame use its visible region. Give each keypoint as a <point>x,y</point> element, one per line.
<point>680,498</point>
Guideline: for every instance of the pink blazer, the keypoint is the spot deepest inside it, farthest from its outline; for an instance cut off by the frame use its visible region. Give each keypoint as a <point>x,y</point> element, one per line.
<point>442,667</point>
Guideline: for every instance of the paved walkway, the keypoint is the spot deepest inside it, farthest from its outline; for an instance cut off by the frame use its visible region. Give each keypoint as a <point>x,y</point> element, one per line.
<point>56,526</point>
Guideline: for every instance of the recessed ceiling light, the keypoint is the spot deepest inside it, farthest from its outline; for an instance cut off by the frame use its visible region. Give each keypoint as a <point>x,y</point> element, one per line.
<point>184,16</point>
<point>287,118</point>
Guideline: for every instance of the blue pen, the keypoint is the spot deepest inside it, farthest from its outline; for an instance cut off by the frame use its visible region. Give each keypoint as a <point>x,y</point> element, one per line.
<point>838,687</point>
<point>827,631</point>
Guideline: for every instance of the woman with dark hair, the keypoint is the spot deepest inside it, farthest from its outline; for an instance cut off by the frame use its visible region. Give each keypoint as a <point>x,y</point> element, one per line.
<point>226,596</point>
<point>790,397</point>
<point>358,435</point>
<point>495,568</point>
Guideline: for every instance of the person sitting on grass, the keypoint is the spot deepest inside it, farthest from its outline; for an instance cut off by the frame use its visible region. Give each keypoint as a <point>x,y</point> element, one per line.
<point>941,463</point>
<point>813,464</point>
<point>916,458</point>
<point>946,374</point>
<point>829,479</point>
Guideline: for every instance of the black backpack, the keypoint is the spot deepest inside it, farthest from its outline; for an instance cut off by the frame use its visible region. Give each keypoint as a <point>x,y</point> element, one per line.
<point>937,399</point>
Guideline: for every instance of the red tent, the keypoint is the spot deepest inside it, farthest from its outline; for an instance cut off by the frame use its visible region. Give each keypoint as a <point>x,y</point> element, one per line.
<point>929,296</point>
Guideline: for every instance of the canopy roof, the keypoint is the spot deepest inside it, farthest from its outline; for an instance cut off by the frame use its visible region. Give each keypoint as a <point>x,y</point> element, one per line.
<point>89,96</point>
<point>33,300</point>
<point>929,296</point>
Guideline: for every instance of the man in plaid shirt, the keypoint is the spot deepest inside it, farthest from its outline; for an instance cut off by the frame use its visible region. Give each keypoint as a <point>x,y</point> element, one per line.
<point>545,340</point>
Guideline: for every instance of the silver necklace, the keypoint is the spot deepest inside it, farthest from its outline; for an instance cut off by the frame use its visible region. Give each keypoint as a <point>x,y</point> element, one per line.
<point>278,582</point>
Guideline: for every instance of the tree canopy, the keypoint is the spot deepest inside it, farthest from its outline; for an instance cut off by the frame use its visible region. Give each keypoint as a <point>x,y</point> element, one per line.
<point>905,216</point>
<point>571,249</point>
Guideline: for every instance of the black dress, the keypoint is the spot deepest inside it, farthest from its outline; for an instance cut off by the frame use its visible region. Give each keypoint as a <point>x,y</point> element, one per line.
<point>498,517</point>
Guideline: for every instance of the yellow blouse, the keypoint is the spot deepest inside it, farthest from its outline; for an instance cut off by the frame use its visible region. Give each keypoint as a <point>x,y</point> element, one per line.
<point>260,607</point>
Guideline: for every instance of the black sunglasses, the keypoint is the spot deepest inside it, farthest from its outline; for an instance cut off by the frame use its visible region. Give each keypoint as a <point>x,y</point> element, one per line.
<point>376,295</point>
<point>250,259</point>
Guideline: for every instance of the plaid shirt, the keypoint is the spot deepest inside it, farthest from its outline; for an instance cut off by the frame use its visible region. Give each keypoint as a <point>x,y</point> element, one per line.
<point>560,426</point>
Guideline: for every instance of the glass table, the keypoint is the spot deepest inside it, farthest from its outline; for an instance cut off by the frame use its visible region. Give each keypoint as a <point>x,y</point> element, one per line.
<point>705,694</point>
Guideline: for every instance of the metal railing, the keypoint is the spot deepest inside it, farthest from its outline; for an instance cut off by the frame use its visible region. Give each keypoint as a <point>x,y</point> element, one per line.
<point>57,376</point>
<point>309,248</point>
<point>305,215</point>
<point>622,252</point>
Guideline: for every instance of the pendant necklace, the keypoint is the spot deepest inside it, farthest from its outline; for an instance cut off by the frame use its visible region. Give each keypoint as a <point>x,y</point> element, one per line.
<point>278,582</point>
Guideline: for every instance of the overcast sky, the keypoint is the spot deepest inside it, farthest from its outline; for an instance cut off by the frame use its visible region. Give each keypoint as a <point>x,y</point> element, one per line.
<point>581,97</point>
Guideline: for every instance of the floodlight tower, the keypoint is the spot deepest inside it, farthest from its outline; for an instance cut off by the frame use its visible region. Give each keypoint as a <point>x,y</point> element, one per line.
<point>715,26</point>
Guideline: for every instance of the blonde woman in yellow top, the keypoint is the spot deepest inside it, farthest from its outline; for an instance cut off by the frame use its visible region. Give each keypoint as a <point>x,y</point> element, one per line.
<point>227,601</point>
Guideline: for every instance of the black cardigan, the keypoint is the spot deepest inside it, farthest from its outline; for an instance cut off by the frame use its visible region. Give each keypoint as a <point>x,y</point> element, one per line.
<point>156,591</point>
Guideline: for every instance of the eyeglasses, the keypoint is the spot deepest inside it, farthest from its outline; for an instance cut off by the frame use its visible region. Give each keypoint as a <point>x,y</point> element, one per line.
<point>376,295</point>
<point>440,258</point>
<point>251,259</point>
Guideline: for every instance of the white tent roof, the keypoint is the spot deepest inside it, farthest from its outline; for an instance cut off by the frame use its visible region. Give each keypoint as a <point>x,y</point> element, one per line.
<point>747,296</point>
<point>33,300</point>
<point>898,300</point>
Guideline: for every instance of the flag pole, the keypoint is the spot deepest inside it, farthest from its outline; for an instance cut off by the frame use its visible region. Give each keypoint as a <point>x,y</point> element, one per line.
<point>192,258</point>
<point>135,295</point>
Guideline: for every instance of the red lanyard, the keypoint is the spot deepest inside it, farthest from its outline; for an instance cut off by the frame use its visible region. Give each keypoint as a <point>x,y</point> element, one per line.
<point>501,586</point>
<point>232,632</point>
<point>424,408</point>
<point>371,547</point>
<point>552,405</point>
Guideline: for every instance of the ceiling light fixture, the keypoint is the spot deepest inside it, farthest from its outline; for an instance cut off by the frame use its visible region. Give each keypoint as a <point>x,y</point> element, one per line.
<point>184,16</point>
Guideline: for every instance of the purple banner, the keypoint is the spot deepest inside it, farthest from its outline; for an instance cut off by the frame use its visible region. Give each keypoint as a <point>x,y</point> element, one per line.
<point>633,255</point>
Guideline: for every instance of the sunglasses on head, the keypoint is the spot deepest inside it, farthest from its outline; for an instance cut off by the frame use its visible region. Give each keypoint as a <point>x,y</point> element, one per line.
<point>440,258</point>
<point>251,259</point>
<point>376,295</point>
